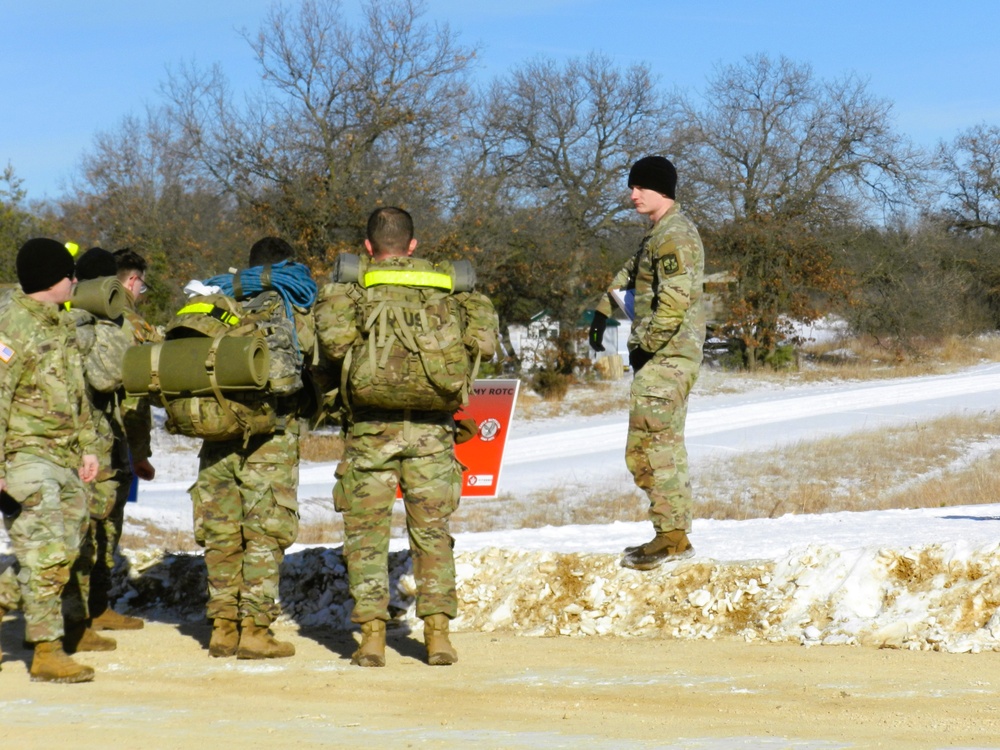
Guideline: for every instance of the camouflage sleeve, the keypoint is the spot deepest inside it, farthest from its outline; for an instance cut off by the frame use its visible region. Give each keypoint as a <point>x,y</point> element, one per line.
<point>88,439</point>
<point>482,326</point>
<point>674,259</point>
<point>10,374</point>
<point>336,320</point>
<point>102,364</point>
<point>621,279</point>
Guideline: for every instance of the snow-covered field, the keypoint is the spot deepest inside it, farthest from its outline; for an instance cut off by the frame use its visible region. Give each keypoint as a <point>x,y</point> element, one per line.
<point>919,579</point>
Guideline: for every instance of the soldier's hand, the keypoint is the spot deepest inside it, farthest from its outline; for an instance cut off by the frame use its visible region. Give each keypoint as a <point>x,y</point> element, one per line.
<point>597,328</point>
<point>88,468</point>
<point>638,357</point>
<point>144,470</point>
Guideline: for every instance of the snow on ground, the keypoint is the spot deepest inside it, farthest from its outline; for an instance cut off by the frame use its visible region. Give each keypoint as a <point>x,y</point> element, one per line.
<point>918,579</point>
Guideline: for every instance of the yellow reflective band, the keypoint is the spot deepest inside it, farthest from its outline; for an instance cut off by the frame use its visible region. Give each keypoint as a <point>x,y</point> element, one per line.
<point>73,248</point>
<point>409,278</point>
<point>196,307</point>
<point>206,308</point>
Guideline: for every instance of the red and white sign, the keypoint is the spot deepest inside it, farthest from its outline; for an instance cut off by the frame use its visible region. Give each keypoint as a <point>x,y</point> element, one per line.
<point>491,404</point>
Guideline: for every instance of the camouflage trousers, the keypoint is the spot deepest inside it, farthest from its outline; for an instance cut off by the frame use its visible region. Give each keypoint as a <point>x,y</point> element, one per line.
<point>97,555</point>
<point>417,456</point>
<point>46,538</point>
<point>246,513</point>
<point>654,451</point>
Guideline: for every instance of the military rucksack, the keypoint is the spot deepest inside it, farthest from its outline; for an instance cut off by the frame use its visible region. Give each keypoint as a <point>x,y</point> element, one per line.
<point>223,365</point>
<point>411,351</point>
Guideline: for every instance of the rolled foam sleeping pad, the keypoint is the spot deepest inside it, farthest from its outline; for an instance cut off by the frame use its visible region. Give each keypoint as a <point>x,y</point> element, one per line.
<point>103,297</point>
<point>241,364</point>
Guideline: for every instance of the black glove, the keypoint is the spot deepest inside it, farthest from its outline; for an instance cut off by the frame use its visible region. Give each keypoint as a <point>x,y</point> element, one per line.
<point>596,335</point>
<point>10,507</point>
<point>638,357</point>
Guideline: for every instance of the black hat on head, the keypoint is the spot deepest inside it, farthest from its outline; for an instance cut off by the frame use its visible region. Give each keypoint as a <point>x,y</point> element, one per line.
<point>95,263</point>
<point>654,173</point>
<point>42,263</point>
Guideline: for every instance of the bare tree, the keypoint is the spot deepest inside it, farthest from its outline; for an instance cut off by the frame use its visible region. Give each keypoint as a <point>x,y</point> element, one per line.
<point>346,117</point>
<point>550,149</point>
<point>771,139</point>
<point>777,156</point>
<point>971,166</point>
<point>139,188</point>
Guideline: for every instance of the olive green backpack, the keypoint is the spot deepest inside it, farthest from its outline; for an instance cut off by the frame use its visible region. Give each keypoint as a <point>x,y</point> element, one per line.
<point>411,352</point>
<point>221,368</point>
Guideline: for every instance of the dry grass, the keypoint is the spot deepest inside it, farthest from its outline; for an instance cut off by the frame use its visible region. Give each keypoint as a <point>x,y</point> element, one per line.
<point>868,359</point>
<point>143,534</point>
<point>555,506</point>
<point>321,447</point>
<point>948,461</point>
<point>585,399</point>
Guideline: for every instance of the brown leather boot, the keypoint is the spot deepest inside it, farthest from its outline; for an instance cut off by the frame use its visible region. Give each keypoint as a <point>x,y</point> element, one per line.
<point>371,652</point>
<point>111,620</point>
<point>51,664</point>
<point>225,638</point>
<point>258,642</point>
<point>81,637</point>
<point>440,652</point>
<point>666,545</point>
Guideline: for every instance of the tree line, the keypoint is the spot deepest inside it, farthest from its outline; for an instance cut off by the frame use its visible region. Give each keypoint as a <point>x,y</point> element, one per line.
<point>806,195</point>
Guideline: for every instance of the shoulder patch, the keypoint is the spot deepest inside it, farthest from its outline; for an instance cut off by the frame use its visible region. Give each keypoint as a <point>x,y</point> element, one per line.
<point>671,264</point>
<point>6,353</point>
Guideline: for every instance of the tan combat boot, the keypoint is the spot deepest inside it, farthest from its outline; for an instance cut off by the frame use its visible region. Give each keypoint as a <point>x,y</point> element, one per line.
<point>258,642</point>
<point>51,664</point>
<point>666,545</point>
<point>111,620</point>
<point>371,652</point>
<point>440,652</point>
<point>81,637</point>
<point>225,638</point>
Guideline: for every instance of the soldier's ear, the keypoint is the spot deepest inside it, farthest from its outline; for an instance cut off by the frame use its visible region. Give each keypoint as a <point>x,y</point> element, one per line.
<point>413,246</point>
<point>368,247</point>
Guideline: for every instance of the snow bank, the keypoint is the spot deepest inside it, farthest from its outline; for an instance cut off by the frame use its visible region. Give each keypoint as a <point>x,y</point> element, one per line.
<point>932,597</point>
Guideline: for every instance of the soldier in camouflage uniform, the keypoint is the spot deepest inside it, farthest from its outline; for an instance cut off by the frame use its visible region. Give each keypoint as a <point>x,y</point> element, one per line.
<point>131,423</point>
<point>49,443</point>
<point>246,513</point>
<point>103,343</point>
<point>665,352</point>
<point>386,449</point>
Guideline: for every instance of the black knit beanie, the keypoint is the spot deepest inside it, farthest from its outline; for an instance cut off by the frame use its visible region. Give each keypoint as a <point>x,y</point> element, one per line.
<point>654,173</point>
<point>95,263</point>
<point>42,263</point>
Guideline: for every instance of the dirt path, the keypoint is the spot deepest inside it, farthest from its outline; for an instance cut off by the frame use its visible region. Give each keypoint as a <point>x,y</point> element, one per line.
<point>160,689</point>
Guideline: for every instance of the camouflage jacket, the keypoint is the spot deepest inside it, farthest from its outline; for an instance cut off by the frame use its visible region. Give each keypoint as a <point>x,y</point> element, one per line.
<point>667,275</point>
<point>136,416</point>
<point>43,404</point>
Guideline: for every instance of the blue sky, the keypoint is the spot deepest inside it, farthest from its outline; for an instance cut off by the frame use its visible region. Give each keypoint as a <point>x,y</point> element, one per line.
<point>70,69</point>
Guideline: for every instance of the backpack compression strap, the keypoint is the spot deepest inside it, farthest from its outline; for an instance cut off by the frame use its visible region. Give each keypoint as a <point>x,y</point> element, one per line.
<point>402,277</point>
<point>206,308</point>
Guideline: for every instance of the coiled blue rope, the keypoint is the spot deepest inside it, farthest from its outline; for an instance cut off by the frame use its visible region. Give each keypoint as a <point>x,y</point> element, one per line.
<point>290,279</point>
